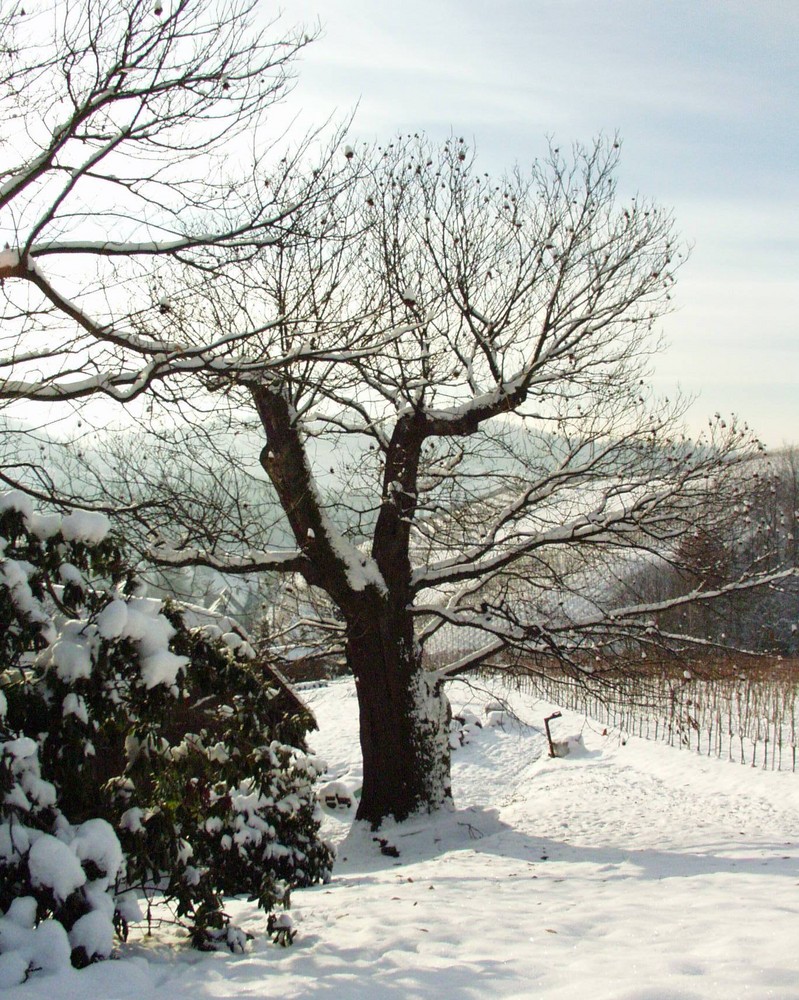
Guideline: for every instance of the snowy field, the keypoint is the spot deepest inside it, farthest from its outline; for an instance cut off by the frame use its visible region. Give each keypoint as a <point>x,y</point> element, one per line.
<point>627,871</point>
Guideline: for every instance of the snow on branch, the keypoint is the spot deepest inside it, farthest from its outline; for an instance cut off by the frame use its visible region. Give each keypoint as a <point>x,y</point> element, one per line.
<point>700,595</point>
<point>470,661</point>
<point>498,550</point>
<point>255,561</point>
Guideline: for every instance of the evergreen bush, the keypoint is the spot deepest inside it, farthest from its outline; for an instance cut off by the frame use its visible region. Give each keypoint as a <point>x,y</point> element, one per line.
<point>140,751</point>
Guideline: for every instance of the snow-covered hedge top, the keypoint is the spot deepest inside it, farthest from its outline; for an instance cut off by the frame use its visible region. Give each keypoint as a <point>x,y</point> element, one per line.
<point>73,642</point>
<point>86,526</point>
<point>136,618</point>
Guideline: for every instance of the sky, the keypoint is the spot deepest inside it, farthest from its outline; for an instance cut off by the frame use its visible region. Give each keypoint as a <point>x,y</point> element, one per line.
<point>705,97</point>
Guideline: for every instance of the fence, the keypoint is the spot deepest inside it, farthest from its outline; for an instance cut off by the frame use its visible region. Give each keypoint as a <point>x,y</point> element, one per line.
<point>748,718</point>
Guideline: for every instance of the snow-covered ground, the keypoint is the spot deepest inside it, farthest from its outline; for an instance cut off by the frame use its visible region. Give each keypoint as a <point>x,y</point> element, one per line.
<point>630,871</point>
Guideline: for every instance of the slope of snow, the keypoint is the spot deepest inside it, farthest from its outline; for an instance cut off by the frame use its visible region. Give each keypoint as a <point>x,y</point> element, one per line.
<point>626,871</point>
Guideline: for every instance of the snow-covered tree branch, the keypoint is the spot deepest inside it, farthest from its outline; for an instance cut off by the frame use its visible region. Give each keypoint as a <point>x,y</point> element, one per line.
<point>143,163</point>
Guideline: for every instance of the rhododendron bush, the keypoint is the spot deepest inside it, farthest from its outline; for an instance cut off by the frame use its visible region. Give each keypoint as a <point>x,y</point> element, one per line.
<point>142,749</point>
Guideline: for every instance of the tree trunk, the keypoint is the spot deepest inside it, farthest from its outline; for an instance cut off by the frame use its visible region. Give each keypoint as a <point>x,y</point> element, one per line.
<point>403,720</point>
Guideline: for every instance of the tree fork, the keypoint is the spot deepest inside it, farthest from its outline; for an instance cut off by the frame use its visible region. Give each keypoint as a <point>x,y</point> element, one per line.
<point>404,729</point>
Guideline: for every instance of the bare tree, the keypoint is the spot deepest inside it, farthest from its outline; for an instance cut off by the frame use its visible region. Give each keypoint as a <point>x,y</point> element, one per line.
<point>396,382</point>
<point>139,163</point>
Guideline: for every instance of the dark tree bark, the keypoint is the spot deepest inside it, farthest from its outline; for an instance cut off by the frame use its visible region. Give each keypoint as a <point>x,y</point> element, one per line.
<point>403,719</point>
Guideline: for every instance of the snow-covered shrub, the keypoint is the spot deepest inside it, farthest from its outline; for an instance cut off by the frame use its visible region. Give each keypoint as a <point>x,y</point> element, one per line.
<point>462,728</point>
<point>217,794</point>
<point>56,878</point>
<point>135,752</point>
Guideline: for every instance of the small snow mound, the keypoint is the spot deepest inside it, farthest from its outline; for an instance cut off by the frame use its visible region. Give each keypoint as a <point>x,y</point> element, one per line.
<point>113,619</point>
<point>13,969</point>
<point>336,797</point>
<point>51,947</point>
<point>44,526</point>
<point>128,906</point>
<point>13,937</point>
<point>236,939</point>
<point>463,728</point>
<point>42,792</point>
<point>94,933</point>
<point>54,866</point>
<point>70,574</point>
<point>161,667</point>
<point>71,654</point>
<point>20,748</point>
<point>131,819</point>
<point>16,500</point>
<point>9,257</point>
<point>496,719</point>
<point>96,841</point>
<point>572,746</point>
<point>15,840</point>
<point>232,640</point>
<point>280,927</point>
<point>74,704</point>
<point>85,526</point>
<point>22,912</point>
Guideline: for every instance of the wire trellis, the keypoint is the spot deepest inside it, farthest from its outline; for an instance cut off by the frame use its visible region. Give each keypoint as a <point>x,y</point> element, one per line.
<point>751,720</point>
